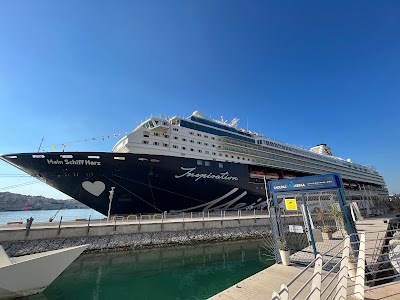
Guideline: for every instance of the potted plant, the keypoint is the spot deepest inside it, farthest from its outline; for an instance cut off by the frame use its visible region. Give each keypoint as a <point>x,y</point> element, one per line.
<point>337,215</point>
<point>283,250</point>
<point>326,232</point>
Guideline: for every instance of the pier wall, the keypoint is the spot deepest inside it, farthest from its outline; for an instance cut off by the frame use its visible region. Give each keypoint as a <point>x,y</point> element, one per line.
<point>120,236</point>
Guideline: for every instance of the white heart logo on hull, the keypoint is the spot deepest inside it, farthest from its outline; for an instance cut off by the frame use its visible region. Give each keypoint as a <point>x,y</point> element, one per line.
<point>95,188</point>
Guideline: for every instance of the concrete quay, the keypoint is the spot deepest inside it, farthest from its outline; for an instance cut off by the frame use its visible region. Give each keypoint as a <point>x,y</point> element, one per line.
<point>131,234</point>
<point>260,286</point>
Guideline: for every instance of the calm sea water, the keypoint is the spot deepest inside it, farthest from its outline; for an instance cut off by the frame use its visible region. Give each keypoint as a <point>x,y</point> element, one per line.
<point>195,272</point>
<point>45,215</point>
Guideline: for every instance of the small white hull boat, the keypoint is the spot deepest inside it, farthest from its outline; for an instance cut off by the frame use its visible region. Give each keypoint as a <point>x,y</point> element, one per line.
<point>31,274</point>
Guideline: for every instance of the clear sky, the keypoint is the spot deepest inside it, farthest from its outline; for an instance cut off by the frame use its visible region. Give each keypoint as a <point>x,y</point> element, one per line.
<point>303,72</point>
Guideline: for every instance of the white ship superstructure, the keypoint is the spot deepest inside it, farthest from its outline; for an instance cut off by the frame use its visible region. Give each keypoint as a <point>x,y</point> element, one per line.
<point>206,139</point>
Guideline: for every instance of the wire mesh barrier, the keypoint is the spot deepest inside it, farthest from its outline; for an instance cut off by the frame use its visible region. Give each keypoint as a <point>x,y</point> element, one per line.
<point>325,223</point>
<point>357,264</point>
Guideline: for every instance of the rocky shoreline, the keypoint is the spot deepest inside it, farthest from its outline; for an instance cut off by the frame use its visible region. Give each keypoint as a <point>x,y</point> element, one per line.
<point>138,240</point>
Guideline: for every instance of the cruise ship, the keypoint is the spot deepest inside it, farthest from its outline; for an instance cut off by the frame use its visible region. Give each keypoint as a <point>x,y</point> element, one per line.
<point>190,164</point>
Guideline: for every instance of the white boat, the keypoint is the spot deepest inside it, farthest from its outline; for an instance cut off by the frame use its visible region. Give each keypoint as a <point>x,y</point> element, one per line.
<point>31,274</point>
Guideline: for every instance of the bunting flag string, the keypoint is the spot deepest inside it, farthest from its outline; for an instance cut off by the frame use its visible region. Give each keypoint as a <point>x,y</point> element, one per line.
<point>97,138</point>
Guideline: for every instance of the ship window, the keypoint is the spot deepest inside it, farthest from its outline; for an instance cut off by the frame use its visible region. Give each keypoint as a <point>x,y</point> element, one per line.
<point>198,134</point>
<point>155,143</point>
<point>205,144</point>
<point>231,156</point>
<point>221,165</point>
<point>183,139</point>
<point>175,129</point>
<point>145,142</point>
<point>146,133</point>
<point>206,152</point>
<point>165,145</point>
<point>199,162</point>
<point>165,123</point>
<point>220,154</point>
<point>156,121</point>
<point>175,137</point>
<point>238,157</point>
<point>207,163</point>
<point>213,145</point>
<point>206,136</point>
<point>191,141</point>
<point>166,135</point>
<point>199,143</point>
<point>156,134</point>
<point>214,153</point>
<point>184,148</point>
<point>213,138</point>
<point>191,149</point>
<point>226,155</point>
<point>190,132</point>
<point>119,158</point>
<point>200,151</point>
<point>175,146</point>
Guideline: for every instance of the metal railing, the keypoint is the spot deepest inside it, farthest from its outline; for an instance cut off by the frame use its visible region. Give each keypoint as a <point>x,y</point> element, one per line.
<point>328,280</point>
<point>352,270</point>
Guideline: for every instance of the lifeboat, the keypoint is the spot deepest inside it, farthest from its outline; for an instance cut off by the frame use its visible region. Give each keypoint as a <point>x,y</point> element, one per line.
<point>271,176</point>
<point>257,174</point>
<point>288,176</point>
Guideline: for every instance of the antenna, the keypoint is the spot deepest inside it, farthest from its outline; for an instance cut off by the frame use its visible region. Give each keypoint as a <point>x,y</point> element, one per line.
<point>40,146</point>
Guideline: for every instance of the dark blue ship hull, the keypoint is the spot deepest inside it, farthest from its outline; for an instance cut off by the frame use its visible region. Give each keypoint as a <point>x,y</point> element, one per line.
<point>145,183</point>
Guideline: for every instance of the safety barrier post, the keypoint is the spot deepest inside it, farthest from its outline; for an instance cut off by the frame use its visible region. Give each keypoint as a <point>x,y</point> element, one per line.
<point>316,282</point>
<point>341,288</point>
<point>284,292</point>
<point>360,277</point>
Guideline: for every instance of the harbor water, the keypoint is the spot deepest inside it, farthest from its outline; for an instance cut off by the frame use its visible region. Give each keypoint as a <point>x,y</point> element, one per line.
<point>179,272</point>
<point>184,272</point>
<point>45,215</point>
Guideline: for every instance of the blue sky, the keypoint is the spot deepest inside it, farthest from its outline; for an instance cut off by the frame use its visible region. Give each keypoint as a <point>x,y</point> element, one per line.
<point>303,72</point>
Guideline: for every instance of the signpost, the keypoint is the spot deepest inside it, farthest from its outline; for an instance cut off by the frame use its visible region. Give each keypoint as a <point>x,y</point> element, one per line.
<point>303,185</point>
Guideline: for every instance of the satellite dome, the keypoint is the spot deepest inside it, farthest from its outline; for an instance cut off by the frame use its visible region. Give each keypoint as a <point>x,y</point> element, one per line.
<point>197,113</point>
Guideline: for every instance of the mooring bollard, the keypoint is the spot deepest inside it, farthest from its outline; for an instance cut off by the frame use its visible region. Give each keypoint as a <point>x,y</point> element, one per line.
<point>115,224</point>
<point>59,226</point>
<point>28,225</point>
<point>88,225</point>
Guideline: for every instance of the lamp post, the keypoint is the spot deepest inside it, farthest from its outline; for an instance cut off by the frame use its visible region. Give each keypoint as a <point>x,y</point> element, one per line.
<point>109,204</point>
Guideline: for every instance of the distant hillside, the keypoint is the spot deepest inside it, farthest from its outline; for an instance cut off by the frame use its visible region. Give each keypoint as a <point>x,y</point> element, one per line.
<point>11,201</point>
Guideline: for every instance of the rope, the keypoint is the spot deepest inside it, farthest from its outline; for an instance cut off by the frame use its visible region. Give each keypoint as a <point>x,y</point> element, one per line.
<point>161,189</point>
<point>133,194</point>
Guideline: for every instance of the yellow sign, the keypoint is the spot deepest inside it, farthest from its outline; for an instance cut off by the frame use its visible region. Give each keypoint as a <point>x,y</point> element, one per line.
<point>291,204</point>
